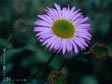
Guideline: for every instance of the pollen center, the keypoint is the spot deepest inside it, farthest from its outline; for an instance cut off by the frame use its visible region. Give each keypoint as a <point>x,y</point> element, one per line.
<point>63,28</point>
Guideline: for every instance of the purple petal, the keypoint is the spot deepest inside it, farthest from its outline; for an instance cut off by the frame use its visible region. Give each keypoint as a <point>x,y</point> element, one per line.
<point>77,41</point>
<point>38,29</point>
<point>58,10</point>
<point>42,23</point>
<point>78,15</point>
<point>75,46</point>
<point>63,46</point>
<point>69,45</point>
<point>57,43</point>
<point>83,35</point>
<point>73,14</point>
<point>46,18</point>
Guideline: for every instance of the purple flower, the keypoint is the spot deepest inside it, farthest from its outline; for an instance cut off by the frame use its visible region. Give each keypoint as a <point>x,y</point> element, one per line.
<point>63,30</point>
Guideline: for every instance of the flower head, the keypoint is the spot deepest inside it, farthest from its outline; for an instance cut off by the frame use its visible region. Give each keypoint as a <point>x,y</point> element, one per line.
<point>56,77</point>
<point>22,26</point>
<point>63,30</point>
<point>19,6</point>
<point>99,51</point>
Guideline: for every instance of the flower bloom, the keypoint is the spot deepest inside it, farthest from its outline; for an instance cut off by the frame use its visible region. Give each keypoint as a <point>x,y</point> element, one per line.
<point>99,51</point>
<point>19,6</point>
<point>22,26</point>
<point>56,77</point>
<point>63,30</point>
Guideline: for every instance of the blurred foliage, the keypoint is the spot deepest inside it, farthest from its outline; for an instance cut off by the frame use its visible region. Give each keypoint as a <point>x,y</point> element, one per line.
<point>27,58</point>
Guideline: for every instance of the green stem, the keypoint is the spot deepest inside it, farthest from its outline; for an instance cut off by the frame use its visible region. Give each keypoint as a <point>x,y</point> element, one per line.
<point>51,58</point>
<point>61,67</point>
<point>48,62</point>
<point>8,40</point>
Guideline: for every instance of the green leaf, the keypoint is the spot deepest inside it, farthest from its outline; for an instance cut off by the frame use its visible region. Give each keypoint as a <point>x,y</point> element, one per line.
<point>42,55</point>
<point>56,62</point>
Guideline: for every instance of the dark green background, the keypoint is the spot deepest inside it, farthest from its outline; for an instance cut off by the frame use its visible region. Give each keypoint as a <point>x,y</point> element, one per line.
<point>26,57</point>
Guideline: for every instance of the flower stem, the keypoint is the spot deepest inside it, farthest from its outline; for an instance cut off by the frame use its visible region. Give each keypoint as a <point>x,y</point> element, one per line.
<point>61,67</point>
<point>8,40</point>
<point>51,58</point>
<point>48,62</point>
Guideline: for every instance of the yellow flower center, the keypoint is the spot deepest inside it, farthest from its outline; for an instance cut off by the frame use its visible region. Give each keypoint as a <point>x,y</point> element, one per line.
<point>63,28</point>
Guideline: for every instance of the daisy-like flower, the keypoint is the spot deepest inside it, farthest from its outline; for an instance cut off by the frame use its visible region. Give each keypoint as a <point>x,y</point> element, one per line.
<point>22,26</point>
<point>56,77</point>
<point>99,51</point>
<point>63,30</point>
<point>19,6</point>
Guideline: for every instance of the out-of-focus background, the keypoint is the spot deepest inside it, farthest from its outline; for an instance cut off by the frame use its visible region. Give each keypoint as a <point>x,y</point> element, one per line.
<point>26,58</point>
